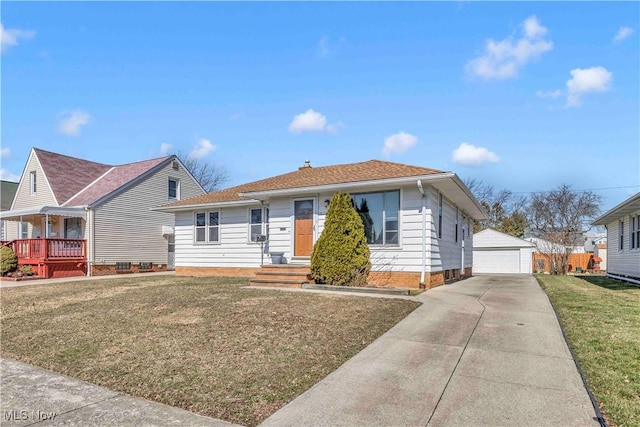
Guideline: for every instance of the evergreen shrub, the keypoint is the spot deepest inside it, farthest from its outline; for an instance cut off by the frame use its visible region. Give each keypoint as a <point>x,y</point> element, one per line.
<point>341,254</point>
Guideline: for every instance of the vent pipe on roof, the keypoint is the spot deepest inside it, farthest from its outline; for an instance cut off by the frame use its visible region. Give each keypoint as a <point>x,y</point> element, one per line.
<point>307,164</point>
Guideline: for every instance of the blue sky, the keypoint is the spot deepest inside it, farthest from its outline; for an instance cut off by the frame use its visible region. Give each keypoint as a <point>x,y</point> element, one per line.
<point>523,96</point>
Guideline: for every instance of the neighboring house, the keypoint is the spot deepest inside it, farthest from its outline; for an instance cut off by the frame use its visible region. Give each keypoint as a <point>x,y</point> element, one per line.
<point>72,216</point>
<point>418,222</point>
<point>623,240</point>
<point>7,192</point>
<point>496,252</point>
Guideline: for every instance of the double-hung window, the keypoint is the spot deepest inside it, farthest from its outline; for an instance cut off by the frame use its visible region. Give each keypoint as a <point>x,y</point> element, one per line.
<point>440,215</point>
<point>258,223</point>
<point>380,214</point>
<point>635,232</point>
<point>207,227</point>
<point>457,214</point>
<point>174,189</point>
<point>621,225</point>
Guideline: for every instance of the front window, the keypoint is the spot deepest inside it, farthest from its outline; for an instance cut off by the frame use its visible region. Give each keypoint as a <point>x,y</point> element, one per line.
<point>380,213</point>
<point>207,227</point>
<point>258,223</point>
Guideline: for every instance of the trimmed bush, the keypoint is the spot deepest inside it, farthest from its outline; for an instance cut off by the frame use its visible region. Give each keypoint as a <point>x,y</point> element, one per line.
<point>341,254</point>
<point>8,260</point>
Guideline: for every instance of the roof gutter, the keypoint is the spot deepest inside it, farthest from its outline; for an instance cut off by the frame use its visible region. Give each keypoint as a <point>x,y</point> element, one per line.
<point>180,208</point>
<point>344,185</point>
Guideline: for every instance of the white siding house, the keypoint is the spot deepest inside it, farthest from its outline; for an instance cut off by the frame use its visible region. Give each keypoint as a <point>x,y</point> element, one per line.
<point>419,232</point>
<point>496,252</point>
<point>623,239</point>
<point>96,215</point>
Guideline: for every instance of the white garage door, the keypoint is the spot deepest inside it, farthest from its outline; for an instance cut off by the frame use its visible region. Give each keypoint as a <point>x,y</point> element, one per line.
<point>496,261</point>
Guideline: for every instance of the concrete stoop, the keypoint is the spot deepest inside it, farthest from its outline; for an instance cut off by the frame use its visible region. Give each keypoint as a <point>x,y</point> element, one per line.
<point>281,276</point>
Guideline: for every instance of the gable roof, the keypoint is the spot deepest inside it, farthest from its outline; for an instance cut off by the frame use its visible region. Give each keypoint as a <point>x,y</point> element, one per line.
<point>115,178</point>
<point>7,192</point>
<point>372,170</point>
<point>625,208</point>
<point>361,176</point>
<point>68,175</point>
<point>490,238</point>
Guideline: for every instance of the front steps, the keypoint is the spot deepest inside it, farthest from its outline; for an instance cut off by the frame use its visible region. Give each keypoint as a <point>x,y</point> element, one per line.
<point>281,276</point>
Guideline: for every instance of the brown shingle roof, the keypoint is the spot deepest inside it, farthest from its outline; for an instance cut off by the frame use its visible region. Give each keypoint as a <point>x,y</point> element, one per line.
<point>68,175</point>
<point>114,179</point>
<point>314,176</point>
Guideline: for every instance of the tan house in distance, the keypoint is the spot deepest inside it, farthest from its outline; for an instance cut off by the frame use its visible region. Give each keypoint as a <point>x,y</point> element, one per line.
<point>74,217</point>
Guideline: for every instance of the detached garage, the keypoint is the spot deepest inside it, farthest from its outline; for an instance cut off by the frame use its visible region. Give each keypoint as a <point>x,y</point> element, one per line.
<point>496,252</point>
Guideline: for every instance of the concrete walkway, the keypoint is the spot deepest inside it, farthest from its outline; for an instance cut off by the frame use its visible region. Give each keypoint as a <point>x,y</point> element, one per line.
<point>484,351</point>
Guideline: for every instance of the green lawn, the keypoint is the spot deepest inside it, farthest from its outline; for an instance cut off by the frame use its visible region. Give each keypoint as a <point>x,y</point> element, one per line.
<point>601,318</point>
<point>207,345</point>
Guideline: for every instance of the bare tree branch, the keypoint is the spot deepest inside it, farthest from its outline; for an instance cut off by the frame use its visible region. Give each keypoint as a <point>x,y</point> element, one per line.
<point>210,177</point>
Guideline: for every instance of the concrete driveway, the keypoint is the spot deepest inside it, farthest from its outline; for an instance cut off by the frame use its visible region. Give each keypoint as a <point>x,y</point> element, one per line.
<point>484,351</point>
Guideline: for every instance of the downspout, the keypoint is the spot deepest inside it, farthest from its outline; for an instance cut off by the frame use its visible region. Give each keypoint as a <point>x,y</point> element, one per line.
<point>423,285</point>
<point>90,247</point>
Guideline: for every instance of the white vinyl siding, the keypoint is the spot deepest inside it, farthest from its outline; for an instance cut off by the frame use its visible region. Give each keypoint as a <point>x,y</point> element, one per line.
<point>624,263</point>
<point>126,229</point>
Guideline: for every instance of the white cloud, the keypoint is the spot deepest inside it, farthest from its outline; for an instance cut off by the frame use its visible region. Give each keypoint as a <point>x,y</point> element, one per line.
<point>5,152</point>
<point>587,80</point>
<point>325,48</point>
<point>10,37</point>
<point>72,121</point>
<point>549,94</point>
<point>470,155</point>
<point>398,143</point>
<point>503,59</point>
<point>165,148</point>
<point>203,148</point>
<point>309,121</point>
<point>5,175</point>
<point>623,33</point>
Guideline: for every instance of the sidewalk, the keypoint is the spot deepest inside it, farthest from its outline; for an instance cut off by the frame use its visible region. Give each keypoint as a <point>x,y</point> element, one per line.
<point>484,351</point>
<point>31,282</point>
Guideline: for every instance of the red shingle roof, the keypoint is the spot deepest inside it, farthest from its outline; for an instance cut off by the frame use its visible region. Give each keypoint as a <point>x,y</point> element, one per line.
<point>78,182</point>
<point>68,175</point>
<point>112,180</point>
<point>371,170</point>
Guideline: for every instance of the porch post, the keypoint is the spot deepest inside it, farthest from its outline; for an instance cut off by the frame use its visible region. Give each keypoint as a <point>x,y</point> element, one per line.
<point>46,225</point>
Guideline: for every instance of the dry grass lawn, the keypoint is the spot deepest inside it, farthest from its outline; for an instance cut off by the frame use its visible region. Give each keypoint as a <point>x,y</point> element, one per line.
<point>203,344</point>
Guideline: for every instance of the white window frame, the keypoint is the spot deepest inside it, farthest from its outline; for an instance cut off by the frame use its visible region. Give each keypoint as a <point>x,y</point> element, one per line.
<point>23,230</point>
<point>384,219</point>
<point>177,181</point>
<point>207,228</point>
<point>264,223</point>
<point>457,214</point>
<point>634,241</point>
<point>32,182</point>
<point>440,208</point>
<point>621,235</point>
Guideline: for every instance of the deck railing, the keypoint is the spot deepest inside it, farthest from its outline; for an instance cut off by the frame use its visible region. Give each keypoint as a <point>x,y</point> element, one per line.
<point>49,249</point>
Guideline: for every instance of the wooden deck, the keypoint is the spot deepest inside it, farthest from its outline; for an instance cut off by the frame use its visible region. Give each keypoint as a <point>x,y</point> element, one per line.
<point>52,257</point>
